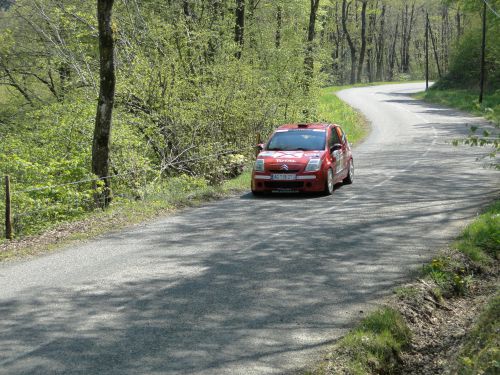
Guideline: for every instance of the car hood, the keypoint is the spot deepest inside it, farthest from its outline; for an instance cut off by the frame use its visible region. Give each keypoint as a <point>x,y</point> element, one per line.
<point>292,159</point>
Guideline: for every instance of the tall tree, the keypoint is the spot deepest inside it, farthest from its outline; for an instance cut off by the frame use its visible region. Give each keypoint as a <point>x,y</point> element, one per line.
<point>392,54</point>
<point>352,47</point>
<point>407,21</point>
<point>102,130</point>
<point>279,25</point>
<point>380,46</point>
<point>434,47</point>
<point>363,40</point>
<point>483,56</point>
<point>311,33</point>
<point>239,27</point>
<point>371,32</point>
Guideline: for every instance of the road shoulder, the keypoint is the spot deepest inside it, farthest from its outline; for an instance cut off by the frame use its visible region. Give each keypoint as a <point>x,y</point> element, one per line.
<point>440,309</point>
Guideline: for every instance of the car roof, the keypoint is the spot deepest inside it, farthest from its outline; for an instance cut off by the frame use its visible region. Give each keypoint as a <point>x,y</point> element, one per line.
<point>305,126</point>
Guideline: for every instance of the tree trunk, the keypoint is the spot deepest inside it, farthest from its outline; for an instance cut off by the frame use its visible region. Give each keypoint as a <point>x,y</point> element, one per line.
<point>483,57</point>
<point>186,7</point>
<point>444,38</point>
<point>363,41</point>
<point>380,49</point>
<point>239,27</point>
<point>279,25</point>
<point>405,58</point>
<point>392,55</point>
<point>309,59</point>
<point>250,24</point>
<point>336,53</point>
<point>215,28</point>
<point>426,51</point>
<point>352,48</point>
<point>458,18</point>
<point>102,130</point>
<point>369,51</point>
<point>404,26</point>
<point>436,56</point>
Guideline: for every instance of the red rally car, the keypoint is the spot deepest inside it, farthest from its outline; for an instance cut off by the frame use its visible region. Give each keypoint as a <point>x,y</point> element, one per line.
<point>303,158</point>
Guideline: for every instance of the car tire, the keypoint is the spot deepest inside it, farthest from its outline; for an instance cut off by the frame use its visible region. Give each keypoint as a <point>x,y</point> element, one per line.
<point>350,174</point>
<point>329,185</point>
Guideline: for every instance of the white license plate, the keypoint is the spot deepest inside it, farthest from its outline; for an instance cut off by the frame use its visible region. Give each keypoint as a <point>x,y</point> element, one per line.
<point>283,177</point>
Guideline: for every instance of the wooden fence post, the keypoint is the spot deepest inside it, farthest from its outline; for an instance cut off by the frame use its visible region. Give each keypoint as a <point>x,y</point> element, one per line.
<point>8,218</point>
<point>256,147</point>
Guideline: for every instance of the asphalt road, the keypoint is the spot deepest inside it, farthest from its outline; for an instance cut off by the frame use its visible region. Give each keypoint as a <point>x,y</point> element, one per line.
<point>251,286</point>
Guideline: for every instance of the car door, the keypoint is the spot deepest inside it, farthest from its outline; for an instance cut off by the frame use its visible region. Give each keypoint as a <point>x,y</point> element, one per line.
<point>346,148</point>
<point>344,152</point>
<point>337,154</point>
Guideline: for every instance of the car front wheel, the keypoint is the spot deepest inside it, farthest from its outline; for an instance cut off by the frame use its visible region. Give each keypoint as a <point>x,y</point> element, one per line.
<point>329,185</point>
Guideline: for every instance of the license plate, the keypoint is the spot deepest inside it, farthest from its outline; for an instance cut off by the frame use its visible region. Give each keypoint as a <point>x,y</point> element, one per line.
<point>283,177</point>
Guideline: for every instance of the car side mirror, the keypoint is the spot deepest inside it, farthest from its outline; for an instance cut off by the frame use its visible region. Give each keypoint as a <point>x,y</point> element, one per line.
<point>260,146</point>
<point>335,147</point>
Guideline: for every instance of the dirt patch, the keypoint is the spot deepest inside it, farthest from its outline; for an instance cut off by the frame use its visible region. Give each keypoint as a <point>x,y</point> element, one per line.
<point>439,326</point>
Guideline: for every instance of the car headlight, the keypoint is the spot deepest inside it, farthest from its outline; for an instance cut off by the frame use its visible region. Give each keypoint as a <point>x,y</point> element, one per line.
<point>314,165</point>
<point>259,165</point>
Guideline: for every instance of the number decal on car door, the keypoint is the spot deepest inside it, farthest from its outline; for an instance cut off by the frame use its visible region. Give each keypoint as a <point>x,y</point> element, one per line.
<point>339,160</point>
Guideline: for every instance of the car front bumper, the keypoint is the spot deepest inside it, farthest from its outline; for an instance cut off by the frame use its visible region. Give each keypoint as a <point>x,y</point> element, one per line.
<point>306,182</point>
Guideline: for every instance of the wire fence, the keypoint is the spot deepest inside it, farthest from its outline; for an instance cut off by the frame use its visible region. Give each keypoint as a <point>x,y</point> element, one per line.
<point>493,10</point>
<point>31,209</point>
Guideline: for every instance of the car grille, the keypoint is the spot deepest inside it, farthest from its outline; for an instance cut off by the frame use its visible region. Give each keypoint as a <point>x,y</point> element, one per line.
<point>282,171</point>
<point>284,184</point>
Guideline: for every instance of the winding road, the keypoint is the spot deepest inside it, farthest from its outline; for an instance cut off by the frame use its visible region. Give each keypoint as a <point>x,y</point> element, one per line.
<point>245,285</point>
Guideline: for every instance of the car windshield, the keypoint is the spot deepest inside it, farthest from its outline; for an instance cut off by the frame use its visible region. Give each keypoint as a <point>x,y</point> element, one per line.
<point>294,140</point>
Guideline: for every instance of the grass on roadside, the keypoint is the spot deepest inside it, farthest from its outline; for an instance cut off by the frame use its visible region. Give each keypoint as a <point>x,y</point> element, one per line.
<point>332,109</point>
<point>173,194</point>
<point>480,241</point>
<point>466,100</point>
<point>481,351</point>
<point>373,347</point>
<point>478,249</point>
<point>376,343</point>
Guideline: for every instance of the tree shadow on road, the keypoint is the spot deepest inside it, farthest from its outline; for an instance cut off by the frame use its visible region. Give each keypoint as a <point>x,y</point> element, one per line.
<point>230,287</point>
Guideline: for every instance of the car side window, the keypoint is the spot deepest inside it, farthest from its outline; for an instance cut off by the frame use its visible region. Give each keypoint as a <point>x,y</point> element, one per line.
<point>334,138</point>
<point>344,138</point>
<point>340,135</point>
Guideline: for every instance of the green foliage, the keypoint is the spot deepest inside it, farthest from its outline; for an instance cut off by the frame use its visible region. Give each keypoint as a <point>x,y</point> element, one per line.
<point>481,239</point>
<point>451,276</point>
<point>464,70</point>
<point>480,243</point>
<point>158,198</point>
<point>374,346</point>
<point>468,100</point>
<point>50,146</point>
<point>406,292</point>
<point>185,104</point>
<point>465,67</point>
<point>481,352</point>
<point>333,110</point>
